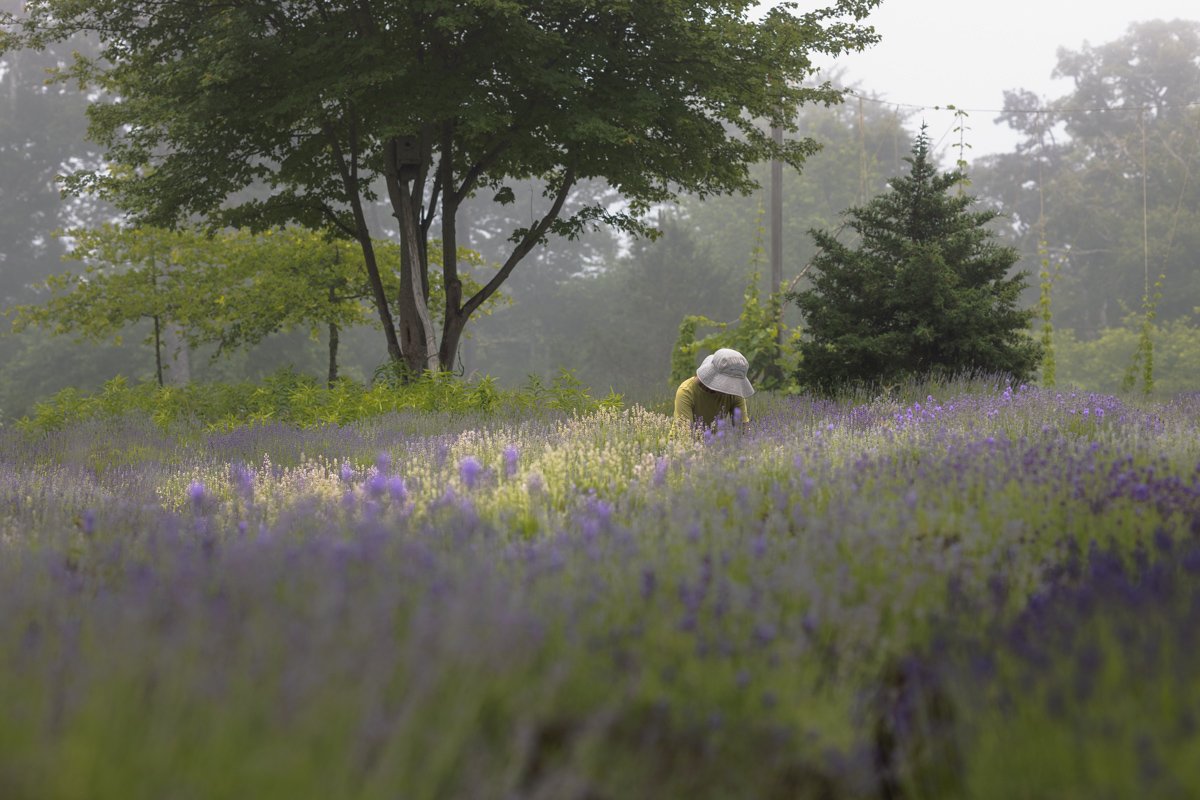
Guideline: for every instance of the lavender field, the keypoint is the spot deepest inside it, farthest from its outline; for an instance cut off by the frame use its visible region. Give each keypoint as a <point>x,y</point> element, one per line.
<point>989,593</point>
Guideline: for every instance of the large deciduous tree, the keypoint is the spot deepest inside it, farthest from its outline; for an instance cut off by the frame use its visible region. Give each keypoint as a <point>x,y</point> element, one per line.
<point>307,107</point>
<point>925,290</point>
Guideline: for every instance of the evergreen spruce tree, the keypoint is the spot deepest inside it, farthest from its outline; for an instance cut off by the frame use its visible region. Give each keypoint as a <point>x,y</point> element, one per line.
<point>925,291</point>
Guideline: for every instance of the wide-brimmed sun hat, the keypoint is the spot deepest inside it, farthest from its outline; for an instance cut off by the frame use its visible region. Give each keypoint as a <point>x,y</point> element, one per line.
<point>725,371</point>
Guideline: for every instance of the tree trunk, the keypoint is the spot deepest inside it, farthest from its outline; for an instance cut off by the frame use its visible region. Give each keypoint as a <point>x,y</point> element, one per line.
<point>417,342</point>
<point>395,352</point>
<point>334,335</point>
<point>348,167</point>
<point>416,330</point>
<point>777,227</point>
<point>333,355</point>
<point>454,319</point>
<point>452,331</point>
<point>180,367</point>
<point>158,365</point>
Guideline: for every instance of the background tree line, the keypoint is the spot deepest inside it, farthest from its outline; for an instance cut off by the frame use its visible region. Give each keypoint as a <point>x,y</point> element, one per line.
<point>608,304</point>
<point>1108,177</point>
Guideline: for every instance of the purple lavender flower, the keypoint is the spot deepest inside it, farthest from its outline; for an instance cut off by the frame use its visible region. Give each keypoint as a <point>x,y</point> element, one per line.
<point>377,485</point>
<point>660,470</point>
<point>758,546</point>
<point>242,478</point>
<point>397,488</point>
<point>512,457</point>
<point>649,583</point>
<point>601,511</point>
<point>470,470</point>
<point>197,493</point>
<point>764,634</point>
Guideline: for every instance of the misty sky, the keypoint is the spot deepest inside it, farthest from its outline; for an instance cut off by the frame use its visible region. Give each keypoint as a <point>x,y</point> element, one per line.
<point>967,52</point>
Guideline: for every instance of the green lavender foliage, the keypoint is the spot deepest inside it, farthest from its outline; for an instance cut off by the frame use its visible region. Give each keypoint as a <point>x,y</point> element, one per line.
<point>964,590</point>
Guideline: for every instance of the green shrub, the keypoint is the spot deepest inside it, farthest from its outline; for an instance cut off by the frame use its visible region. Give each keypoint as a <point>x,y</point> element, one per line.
<point>759,335</point>
<point>1101,364</point>
<point>292,398</point>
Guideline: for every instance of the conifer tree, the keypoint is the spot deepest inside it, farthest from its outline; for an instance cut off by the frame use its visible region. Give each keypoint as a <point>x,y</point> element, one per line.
<point>926,290</point>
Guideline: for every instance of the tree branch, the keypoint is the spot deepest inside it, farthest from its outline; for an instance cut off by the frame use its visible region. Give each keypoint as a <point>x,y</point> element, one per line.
<point>334,218</point>
<point>477,169</point>
<point>431,211</point>
<point>531,238</point>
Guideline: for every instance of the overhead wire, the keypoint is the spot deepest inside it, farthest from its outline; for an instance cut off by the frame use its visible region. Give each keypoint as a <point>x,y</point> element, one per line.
<point>1031,111</point>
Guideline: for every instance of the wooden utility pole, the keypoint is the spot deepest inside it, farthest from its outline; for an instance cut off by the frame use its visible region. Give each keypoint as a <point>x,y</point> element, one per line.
<point>776,215</point>
<point>777,224</point>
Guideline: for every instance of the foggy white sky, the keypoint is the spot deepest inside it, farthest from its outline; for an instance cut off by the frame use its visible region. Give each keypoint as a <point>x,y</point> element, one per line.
<point>967,52</point>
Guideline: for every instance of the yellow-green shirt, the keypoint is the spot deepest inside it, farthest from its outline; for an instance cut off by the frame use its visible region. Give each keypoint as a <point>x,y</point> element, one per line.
<point>696,404</point>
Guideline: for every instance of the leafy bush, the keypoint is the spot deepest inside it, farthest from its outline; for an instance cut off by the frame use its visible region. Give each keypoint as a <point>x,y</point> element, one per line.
<point>295,399</point>
<point>756,335</point>
<point>1103,363</point>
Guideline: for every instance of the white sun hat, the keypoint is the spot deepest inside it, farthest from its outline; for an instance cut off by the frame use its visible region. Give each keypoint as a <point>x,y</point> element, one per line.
<point>725,371</point>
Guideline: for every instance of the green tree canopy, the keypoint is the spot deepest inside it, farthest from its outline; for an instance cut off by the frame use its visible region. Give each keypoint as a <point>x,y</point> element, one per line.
<point>41,129</point>
<point>307,108</point>
<point>925,290</point>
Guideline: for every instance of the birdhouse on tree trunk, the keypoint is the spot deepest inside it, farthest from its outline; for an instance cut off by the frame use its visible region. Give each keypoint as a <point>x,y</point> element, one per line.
<point>408,153</point>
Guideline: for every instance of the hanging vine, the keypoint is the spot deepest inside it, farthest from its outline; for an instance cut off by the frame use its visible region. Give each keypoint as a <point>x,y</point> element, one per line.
<point>961,127</point>
<point>1049,365</point>
<point>1143,355</point>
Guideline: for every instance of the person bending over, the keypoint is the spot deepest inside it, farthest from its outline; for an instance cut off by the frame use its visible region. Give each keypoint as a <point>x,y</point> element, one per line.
<point>718,389</point>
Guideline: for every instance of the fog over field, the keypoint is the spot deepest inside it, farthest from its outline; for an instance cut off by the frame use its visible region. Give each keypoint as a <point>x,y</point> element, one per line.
<point>609,308</point>
<point>966,53</point>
